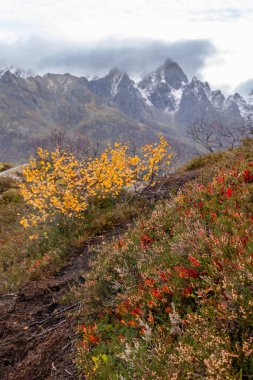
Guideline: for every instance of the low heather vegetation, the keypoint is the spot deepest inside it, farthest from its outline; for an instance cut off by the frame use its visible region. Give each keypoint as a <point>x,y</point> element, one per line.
<point>173,297</point>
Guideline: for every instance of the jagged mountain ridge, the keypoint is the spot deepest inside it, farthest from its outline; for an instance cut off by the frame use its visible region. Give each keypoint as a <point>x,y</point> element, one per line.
<point>164,87</point>
<point>109,108</point>
<point>167,94</point>
<point>31,108</point>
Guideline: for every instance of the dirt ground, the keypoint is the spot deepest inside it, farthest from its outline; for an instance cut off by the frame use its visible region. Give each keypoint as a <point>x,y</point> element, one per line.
<point>37,332</point>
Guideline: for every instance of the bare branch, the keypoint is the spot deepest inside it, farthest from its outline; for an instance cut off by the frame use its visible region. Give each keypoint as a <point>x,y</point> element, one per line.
<point>214,136</point>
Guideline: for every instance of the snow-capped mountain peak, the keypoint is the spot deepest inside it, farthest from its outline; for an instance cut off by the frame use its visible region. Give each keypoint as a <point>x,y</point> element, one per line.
<point>245,107</point>
<point>13,70</point>
<point>115,72</point>
<point>164,87</point>
<point>108,86</point>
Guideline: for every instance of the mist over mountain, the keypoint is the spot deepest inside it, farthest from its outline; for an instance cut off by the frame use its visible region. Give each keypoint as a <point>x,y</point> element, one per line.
<point>110,108</point>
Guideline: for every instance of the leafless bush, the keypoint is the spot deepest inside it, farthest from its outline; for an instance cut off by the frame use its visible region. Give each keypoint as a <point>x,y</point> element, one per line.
<point>214,136</point>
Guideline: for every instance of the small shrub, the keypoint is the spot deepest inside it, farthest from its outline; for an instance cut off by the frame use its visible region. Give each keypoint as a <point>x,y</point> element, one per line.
<point>60,187</point>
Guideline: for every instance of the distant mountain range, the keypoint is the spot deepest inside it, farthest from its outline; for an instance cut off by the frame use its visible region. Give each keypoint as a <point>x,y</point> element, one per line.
<point>111,108</point>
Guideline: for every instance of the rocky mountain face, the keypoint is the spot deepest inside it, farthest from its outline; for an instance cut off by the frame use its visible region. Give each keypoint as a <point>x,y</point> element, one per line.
<point>119,90</point>
<point>166,95</point>
<point>31,108</point>
<point>164,87</point>
<point>111,108</point>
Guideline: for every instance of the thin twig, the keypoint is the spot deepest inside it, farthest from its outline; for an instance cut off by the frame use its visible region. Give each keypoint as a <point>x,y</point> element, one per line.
<point>55,315</point>
<point>47,331</point>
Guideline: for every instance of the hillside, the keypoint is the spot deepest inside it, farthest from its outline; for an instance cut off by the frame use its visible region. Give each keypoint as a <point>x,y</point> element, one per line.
<point>175,292</point>
<point>165,280</point>
<point>32,108</point>
<point>113,107</point>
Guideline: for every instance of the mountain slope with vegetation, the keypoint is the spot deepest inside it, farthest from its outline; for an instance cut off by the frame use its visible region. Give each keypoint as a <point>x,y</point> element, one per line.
<point>174,292</point>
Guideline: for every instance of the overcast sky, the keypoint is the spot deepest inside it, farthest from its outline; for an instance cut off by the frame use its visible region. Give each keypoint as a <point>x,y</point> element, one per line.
<point>208,38</point>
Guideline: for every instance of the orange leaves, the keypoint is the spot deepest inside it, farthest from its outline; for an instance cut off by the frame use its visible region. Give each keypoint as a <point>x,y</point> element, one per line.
<point>119,244</point>
<point>132,323</point>
<point>93,339</point>
<point>58,184</point>
<point>89,334</point>
<point>168,310</point>
<point>166,289</point>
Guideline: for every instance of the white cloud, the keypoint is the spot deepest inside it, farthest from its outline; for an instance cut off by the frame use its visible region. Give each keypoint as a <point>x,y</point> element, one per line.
<point>227,24</point>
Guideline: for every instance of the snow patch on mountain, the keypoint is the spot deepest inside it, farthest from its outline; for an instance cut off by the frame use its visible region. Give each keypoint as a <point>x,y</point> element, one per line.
<point>144,94</point>
<point>15,71</point>
<point>245,108</point>
<point>177,95</point>
<point>115,84</point>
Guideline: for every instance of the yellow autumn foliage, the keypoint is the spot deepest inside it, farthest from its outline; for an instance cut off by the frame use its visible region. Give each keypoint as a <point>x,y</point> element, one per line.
<point>59,184</point>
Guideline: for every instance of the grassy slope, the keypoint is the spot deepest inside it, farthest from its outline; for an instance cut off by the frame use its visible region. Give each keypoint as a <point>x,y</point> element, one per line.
<point>23,258</point>
<point>175,293</point>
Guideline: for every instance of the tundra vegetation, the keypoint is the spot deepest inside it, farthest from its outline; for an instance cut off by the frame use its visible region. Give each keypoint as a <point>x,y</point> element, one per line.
<point>174,293</point>
<point>66,197</point>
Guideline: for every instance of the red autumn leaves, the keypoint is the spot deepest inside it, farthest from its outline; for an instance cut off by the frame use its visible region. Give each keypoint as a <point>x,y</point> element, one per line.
<point>188,272</point>
<point>194,261</point>
<point>184,280</point>
<point>146,241</point>
<point>248,177</point>
<point>89,335</point>
<point>228,192</point>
